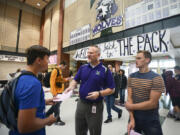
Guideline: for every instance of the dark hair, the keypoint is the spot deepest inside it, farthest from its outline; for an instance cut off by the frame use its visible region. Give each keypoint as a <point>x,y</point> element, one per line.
<point>146,54</point>
<point>177,67</point>
<point>34,52</point>
<point>63,63</point>
<point>164,70</point>
<point>122,71</point>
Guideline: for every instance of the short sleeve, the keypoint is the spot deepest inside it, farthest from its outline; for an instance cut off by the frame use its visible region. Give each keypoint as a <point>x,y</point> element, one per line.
<point>109,83</point>
<point>77,77</point>
<point>158,84</point>
<point>129,82</point>
<point>30,98</point>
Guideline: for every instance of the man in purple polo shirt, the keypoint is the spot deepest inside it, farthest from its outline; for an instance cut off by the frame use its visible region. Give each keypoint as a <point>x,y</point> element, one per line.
<point>96,82</point>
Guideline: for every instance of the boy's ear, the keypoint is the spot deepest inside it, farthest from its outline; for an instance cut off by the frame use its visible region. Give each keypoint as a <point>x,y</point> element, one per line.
<point>38,60</point>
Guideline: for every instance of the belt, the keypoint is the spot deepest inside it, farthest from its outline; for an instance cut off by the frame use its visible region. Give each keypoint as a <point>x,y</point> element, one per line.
<point>91,102</point>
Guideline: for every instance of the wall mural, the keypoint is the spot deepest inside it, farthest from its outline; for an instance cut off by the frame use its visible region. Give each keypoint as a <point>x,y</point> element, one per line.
<point>105,11</point>
<point>158,43</point>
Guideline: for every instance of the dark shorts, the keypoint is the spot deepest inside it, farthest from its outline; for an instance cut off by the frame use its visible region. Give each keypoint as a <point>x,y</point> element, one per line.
<point>176,101</point>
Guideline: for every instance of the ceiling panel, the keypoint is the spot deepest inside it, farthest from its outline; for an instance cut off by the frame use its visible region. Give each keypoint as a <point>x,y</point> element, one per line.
<point>34,3</point>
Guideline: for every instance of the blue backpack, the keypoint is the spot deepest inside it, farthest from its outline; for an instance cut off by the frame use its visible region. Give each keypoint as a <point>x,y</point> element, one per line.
<point>8,110</point>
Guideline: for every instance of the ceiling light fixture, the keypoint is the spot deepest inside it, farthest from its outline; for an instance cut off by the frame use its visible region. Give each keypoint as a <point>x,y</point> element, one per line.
<point>38,4</point>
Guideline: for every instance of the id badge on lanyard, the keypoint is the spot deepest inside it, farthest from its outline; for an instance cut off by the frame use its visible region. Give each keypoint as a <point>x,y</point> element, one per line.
<point>94,109</point>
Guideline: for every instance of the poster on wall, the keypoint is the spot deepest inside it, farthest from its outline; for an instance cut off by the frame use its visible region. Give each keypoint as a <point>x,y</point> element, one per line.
<point>105,17</point>
<point>81,54</point>
<point>109,50</point>
<point>80,35</point>
<point>149,11</point>
<point>12,58</point>
<point>158,43</point>
<point>53,59</point>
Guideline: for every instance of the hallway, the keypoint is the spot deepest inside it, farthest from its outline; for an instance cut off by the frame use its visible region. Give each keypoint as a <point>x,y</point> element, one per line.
<point>117,127</point>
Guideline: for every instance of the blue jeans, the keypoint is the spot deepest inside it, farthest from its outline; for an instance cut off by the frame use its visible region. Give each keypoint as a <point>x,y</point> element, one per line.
<point>122,95</point>
<point>110,105</point>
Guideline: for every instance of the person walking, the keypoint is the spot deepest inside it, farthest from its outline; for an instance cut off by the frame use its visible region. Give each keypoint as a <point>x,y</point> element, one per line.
<point>123,85</point>
<point>57,87</point>
<point>110,100</point>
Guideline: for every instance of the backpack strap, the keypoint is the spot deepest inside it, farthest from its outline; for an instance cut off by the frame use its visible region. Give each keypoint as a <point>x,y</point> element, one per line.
<point>58,73</point>
<point>16,81</point>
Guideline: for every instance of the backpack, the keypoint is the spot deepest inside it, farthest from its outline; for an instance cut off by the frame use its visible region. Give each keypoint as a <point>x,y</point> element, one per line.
<point>8,110</point>
<point>46,80</point>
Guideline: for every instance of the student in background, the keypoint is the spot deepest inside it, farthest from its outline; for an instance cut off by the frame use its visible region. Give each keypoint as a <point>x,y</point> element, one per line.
<point>57,87</point>
<point>173,88</point>
<point>110,100</point>
<point>123,85</point>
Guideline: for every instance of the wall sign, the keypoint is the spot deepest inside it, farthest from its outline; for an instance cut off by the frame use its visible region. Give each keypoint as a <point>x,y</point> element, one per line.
<point>150,10</point>
<point>80,35</point>
<point>12,58</point>
<point>105,10</point>
<point>53,59</point>
<point>158,43</point>
<point>111,22</point>
<point>81,54</point>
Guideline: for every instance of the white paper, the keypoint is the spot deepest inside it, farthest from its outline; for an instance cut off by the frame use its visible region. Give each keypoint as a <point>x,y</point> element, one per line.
<point>62,97</point>
<point>132,132</point>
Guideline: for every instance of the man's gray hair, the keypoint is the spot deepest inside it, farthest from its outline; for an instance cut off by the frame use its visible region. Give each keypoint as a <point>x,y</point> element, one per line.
<point>98,49</point>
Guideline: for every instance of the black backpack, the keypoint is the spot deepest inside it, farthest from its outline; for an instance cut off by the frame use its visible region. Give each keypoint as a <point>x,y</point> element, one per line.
<point>8,110</point>
<point>46,80</point>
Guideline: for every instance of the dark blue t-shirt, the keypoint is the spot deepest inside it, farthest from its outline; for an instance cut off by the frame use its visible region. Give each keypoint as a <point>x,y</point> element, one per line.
<point>93,79</point>
<point>29,94</point>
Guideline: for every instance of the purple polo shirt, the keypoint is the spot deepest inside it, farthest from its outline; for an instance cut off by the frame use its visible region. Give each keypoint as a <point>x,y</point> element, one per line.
<point>93,79</point>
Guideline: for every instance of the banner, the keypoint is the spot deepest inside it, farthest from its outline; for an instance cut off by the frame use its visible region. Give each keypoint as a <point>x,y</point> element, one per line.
<point>53,59</point>
<point>158,43</point>
<point>80,35</point>
<point>150,10</point>
<point>12,58</point>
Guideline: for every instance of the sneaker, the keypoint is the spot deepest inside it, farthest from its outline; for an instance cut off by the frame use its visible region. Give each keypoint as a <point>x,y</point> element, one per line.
<point>120,114</point>
<point>177,119</point>
<point>170,115</point>
<point>60,122</point>
<point>108,120</point>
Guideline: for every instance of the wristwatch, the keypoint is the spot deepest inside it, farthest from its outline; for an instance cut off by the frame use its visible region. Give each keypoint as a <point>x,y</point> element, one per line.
<point>100,94</point>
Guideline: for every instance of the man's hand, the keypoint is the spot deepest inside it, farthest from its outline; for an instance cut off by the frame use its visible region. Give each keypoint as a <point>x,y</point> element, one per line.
<point>129,106</point>
<point>68,78</point>
<point>93,95</point>
<point>68,89</point>
<point>131,126</point>
<point>49,102</point>
<point>51,120</point>
<point>46,91</point>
